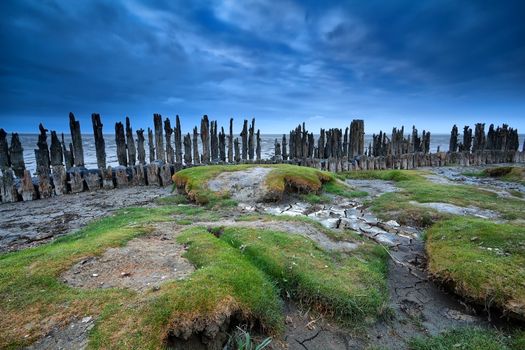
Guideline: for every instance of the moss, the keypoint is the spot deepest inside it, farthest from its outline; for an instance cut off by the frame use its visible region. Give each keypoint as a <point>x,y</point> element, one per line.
<point>350,288</point>
<point>483,261</point>
<point>467,338</point>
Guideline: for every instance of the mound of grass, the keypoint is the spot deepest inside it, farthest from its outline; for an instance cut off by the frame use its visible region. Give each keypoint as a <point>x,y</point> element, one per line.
<point>341,189</point>
<point>504,173</point>
<point>226,285</point>
<point>282,178</point>
<point>481,260</point>
<point>351,288</point>
<point>467,338</point>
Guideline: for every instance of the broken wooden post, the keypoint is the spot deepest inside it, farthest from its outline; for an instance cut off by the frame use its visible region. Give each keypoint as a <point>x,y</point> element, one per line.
<point>42,153</point>
<point>120,176</point>
<point>479,137</point>
<point>195,143</point>
<point>5,162</point>
<point>170,153</point>
<point>453,144</point>
<point>107,178</point>
<point>152,174</point>
<point>16,154</point>
<point>237,156</point>
<point>27,188</point>
<point>8,190</point>
<point>76,183</point>
<point>138,177</point>
<point>100,144</point>
<point>214,142</point>
<point>222,145</point>
<point>165,175</point>
<point>159,140</point>
<point>92,179</point>
<point>187,149</point>
<point>130,143</point>
<point>356,138</point>
<point>59,180</point>
<point>467,139</point>
<point>178,141</point>
<point>151,146</point>
<point>45,190</point>
<point>230,142</point>
<point>120,139</point>
<point>244,139</point>
<point>57,156</point>
<point>68,153</point>
<point>140,147</point>
<point>258,146</point>
<point>205,139</point>
<point>76,137</point>
<point>278,154</point>
<point>251,140</point>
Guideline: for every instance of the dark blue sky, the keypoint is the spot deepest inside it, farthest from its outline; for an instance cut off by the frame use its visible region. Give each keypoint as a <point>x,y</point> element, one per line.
<point>432,63</point>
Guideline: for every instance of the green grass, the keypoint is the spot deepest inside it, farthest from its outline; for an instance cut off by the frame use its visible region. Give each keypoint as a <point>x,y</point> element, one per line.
<point>467,338</point>
<point>350,288</point>
<point>282,178</point>
<point>481,260</point>
<point>30,288</point>
<point>504,173</point>
<point>341,189</point>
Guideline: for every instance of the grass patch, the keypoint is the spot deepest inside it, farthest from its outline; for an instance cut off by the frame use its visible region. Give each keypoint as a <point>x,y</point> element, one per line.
<point>349,288</point>
<point>468,338</point>
<point>481,260</point>
<point>343,190</point>
<point>172,200</point>
<point>504,173</point>
<point>282,178</point>
<point>30,288</point>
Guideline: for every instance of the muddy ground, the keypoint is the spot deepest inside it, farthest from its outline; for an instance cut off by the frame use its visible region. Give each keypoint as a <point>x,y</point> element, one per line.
<point>418,306</point>
<point>26,224</point>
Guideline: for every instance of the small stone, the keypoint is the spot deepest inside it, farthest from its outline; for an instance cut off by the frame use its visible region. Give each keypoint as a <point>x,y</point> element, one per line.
<point>95,275</point>
<point>475,238</point>
<point>392,223</point>
<point>125,274</point>
<point>86,319</point>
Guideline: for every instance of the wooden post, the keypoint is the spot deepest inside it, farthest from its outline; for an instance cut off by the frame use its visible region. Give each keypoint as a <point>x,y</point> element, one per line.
<point>100,144</point>
<point>479,137</point>
<point>178,141</point>
<point>283,148</point>
<point>214,142</point>
<point>57,156</point>
<point>187,149</point>
<point>68,153</point>
<point>205,139</point>
<point>278,153</point>
<point>170,153</point>
<point>42,153</point>
<point>159,141</point>
<point>195,143</point>
<point>230,142</point>
<point>237,156</point>
<point>453,144</point>
<point>5,161</point>
<point>7,188</point>
<point>59,179</point>
<point>120,139</point>
<point>130,142</point>
<point>27,189</point>
<point>140,147</point>
<point>222,145</point>
<point>16,155</point>
<point>244,139</point>
<point>251,140</point>
<point>356,138</point>
<point>258,146</point>
<point>151,146</point>
<point>76,137</point>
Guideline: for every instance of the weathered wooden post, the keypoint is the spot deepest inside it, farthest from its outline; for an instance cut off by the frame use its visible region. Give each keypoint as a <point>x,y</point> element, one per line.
<point>59,180</point>
<point>230,142</point>
<point>205,139</point>
<point>258,146</point>
<point>5,162</point>
<point>27,189</point>
<point>278,153</point>
<point>214,142</point>
<point>244,139</point>
<point>283,148</point>
<point>187,149</point>
<point>356,138</point>
<point>7,188</point>
<point>16,155</point>
<point>120,139</point>
<point>76,137</point>
<point>195,143</point>
<point>100,144</point>
<point>170,153</point>
<point>237,156</point>
<point>178,141</point>
<point>57,156</point>
<point>159,142</point>
<point>130,143</point>
<point>140,147</point>
<point>467,139</point>
<point>479,137</point>
<point>68,153</point>
<point>151,146</point>
<point>251,140</point>
<point>42,153</point>
<point>222,145</point>
<point>453,144</point>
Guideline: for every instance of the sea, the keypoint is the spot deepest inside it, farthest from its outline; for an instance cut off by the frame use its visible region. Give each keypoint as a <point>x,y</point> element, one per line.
<point>267,146</point>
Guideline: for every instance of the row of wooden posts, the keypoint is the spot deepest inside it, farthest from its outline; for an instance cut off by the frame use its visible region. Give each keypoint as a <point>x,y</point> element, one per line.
<point>60,167</point>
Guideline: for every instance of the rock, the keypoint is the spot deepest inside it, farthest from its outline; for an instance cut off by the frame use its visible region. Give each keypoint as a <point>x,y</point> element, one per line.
<point>392,223</point>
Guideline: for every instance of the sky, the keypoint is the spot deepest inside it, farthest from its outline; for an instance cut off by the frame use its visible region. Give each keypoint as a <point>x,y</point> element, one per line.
<point>398,62</point>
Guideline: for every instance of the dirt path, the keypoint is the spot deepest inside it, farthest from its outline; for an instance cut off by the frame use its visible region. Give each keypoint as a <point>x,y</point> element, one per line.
<point>26,224</point>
